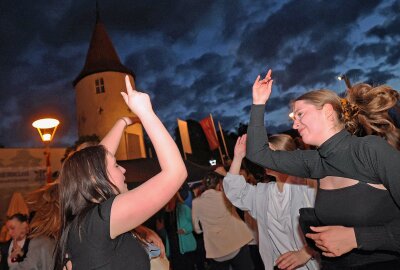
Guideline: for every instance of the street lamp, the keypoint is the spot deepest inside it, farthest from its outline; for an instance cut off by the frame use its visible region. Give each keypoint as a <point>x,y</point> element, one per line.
<point>346,80</point>
<point>47,128</point>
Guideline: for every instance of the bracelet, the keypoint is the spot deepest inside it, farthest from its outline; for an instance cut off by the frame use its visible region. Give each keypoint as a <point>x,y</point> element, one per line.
<point>126,123</point>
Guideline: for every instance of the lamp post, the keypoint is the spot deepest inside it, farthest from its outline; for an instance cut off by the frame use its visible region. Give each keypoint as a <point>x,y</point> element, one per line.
<point>346,80</point>
<point>47,128</point>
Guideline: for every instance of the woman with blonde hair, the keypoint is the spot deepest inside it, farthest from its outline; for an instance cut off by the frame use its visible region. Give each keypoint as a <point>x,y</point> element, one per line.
<point>357,214</point>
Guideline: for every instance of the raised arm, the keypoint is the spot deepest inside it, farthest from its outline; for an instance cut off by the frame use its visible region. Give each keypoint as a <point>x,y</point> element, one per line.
<point>296,163</point>
<point>238,155</point>
<point>241,194</point>
<point>113,137</point>
<point>132,208</point>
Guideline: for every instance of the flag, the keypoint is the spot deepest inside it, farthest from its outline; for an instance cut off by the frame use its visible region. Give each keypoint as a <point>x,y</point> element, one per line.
<point>209,130</point>
<point>184,132</point>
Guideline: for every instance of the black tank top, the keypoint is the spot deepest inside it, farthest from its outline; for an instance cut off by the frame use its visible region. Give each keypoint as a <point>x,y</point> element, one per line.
<point>360,205</point>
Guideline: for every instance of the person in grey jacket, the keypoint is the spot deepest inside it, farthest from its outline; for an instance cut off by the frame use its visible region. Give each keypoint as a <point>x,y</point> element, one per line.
<point>275,206</point>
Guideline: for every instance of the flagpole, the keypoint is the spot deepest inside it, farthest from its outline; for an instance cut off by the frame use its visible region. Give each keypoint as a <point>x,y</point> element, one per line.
<point>216,136</point>
<point>223,139</point>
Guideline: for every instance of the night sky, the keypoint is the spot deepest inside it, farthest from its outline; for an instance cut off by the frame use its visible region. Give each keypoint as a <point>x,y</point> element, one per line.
<point>192,57</point>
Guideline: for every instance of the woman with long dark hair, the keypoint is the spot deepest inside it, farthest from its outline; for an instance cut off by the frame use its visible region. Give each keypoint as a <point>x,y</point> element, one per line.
<point>97,210</point>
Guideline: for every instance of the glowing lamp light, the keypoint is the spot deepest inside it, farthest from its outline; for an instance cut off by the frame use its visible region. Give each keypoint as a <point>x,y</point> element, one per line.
<point>46,127</point>
<point>291,115</point>
<point>345,79</point>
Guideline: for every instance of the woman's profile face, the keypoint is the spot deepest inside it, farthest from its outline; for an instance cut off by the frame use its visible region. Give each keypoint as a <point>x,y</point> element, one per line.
<point>309,122</point>
<point>17,229</point>
<point>116,173</point>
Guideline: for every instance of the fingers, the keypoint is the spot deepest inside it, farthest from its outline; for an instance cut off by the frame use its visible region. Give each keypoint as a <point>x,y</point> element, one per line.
<point>320,228</point>
<point>238,141</point>
<point>257,79</point>
<point>313,236</point>
<point>243,139</point>
<point>289,262</point>
<point>268,75</point>
<point>128,84</point>
<point>328,254</point>
<point>282,257</point>
<point>321,247</point>
<point>129,89</point>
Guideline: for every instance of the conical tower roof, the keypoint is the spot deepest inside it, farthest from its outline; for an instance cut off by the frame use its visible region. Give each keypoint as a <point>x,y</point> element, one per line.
<point>101,55</point>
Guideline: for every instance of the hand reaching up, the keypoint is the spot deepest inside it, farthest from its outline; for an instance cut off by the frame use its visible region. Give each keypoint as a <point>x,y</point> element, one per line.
<point>240,147</point>
<point>138,102</point>
<point>262,88</point>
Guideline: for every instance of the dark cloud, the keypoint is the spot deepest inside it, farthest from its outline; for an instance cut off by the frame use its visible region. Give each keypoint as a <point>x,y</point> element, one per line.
<point>296,19</point>
<point>393,55</point>
<point>375,50</point>
<point>355,75</point>
<point>175,20</point>
<point>192,57</point>
<point>152,60</point>
<point>389,29</point>
<point>378,77</point>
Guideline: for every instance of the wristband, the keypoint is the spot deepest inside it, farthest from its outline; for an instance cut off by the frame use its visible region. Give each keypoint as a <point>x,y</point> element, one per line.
<point>126,123</point>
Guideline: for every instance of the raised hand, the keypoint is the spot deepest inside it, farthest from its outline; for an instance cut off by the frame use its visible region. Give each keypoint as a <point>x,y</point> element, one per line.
<point>138,102</point>
<point>262,88</point>
<point>240,147</point>
<point>334,241</point>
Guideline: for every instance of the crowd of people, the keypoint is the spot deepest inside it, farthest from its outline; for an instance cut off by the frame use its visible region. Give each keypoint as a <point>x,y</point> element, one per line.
<point>332,202</point>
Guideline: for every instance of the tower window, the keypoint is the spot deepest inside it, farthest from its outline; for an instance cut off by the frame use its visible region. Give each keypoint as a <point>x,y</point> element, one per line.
<point>99,83</point>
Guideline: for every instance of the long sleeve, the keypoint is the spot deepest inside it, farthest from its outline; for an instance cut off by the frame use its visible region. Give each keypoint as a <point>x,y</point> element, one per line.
<point>295,163</point>
<point>39,256</point>
<point>385,161</point>
<point>385,237</point>
<point>195,218</point>
<point>185,219</point>
<point>240,193</point>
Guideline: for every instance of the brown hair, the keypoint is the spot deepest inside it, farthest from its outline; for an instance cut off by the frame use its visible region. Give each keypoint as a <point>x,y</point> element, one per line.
<point>364,111</point>
<point>372,117</point>
<point>211,180</point>
<point>282,142</point>
<point>84,182</point>
<point>44,202</point>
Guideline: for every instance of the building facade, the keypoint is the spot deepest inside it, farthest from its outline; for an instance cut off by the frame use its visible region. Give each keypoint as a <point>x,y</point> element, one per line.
<point>99,103</point>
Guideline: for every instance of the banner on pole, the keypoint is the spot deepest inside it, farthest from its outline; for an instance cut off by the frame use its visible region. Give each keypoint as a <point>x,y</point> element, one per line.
<point>185,139</point>
<point>207,125</point>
